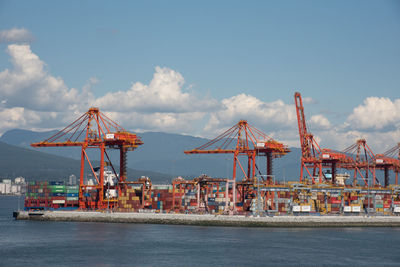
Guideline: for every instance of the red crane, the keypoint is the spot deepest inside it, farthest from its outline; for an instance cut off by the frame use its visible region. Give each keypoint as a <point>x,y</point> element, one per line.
<point>312,156</point>
<point>388,161</point>
<point>244,140</point>
<point>363,159</point>
<point>94,130</point>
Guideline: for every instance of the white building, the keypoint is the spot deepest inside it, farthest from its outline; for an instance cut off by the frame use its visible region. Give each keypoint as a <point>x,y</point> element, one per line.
<point>19,180</point>
<point>72,179</point>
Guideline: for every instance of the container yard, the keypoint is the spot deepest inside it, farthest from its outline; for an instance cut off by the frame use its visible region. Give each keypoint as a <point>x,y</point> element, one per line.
<point>344,186</point>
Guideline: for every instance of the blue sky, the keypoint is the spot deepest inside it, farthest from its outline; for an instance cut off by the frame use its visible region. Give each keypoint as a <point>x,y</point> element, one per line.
<point>234,60</point>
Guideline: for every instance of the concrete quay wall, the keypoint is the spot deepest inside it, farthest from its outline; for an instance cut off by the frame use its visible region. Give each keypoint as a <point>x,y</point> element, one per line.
<point>214,220</point>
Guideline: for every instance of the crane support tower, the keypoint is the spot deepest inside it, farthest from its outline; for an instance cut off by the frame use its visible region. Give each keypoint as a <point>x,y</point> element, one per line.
<point>94,130</point>
<point>313,158</point>
<point>363,160</point>
<point>242,139</point>
<point>389,160</point>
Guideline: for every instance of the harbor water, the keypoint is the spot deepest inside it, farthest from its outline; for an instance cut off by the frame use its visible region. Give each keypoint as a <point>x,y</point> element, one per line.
<point>105,244</point>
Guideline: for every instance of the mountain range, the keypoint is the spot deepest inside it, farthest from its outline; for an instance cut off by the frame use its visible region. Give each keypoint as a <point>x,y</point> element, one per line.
<point>161,157</point>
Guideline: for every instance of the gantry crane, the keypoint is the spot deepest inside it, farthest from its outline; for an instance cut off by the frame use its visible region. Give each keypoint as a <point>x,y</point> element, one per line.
<point>244,140</point>
<point>312,156</point>
<point>95,130</point>
<point>388,161</point>
<point>363,159</point>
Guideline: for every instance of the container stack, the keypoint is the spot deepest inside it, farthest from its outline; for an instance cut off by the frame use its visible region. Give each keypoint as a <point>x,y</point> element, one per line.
<point>58,194</point>
<point>161,196</point>
<point>51,195</point>
<point>72,196</point>
<point>37,195</point>
<point>130,199</point>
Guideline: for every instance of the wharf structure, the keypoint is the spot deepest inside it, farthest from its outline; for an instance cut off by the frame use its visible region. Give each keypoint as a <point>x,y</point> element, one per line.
<point>321,189</point>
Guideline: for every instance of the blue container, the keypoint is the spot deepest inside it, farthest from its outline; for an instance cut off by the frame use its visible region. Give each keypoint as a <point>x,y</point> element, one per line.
<point>240,204</point>
<point>72,195</point>
<point>211,199</point>
<point>58,194</point>
<point>211,203</point>
<point>87,194</point>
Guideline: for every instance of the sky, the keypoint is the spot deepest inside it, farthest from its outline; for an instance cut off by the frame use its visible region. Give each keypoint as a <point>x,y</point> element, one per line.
<point>197,68</point>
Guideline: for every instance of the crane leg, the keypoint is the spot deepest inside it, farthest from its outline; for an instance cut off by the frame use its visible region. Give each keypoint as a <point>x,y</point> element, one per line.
<point>386,177</point>
<point>122,161</point>
<point>269,166</point>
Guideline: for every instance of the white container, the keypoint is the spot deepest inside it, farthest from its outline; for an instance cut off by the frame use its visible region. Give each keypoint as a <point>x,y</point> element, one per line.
<point>7,181</point>
<point>109,136</point>
<point>58,201</point>
<point>396,209</point>
<point>296,209</point>
<point>305,208</point>
<point>347,208</point>
<point>260,144</point>
<point>111,193</point>
<point>356,209</point>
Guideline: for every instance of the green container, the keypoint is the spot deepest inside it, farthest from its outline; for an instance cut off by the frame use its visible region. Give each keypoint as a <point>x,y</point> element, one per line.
<point>72,187</point>
<point>58,190</point>
<point>72,191</point>
<point>57,187</point>
<point>72,198</point>
<point>379,206</point>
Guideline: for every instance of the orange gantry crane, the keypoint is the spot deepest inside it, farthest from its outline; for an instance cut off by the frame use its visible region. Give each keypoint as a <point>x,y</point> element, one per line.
<point>94,130</point>
<point>312,156</point>
<point>389,160</point>
<point>363,159</point>
<point>244,140</point>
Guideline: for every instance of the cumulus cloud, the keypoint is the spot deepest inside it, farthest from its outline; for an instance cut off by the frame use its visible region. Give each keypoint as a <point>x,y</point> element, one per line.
<point>375,113</point>
<point>29,85</point>
<point>183,123</point>
<point>267,114</point>
<point>309,100</point>
<point>16,35</point>
<point>319,121</point>
<point>32,98</point>
<point>164,93</point>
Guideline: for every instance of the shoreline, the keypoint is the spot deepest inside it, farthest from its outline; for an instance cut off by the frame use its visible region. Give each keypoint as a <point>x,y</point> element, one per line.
<point>212,220</point>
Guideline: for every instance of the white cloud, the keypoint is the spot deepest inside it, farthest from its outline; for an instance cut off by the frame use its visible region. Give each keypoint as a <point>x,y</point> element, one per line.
<point>309,100</point>
<point>29,85</point>
<point>32,98</point>
<point>28,89</point>
<point>16,35</point>
<point>340,139</point>
<point>376,113</point>
<point>319,122</point>
<point>163,94</point>
<point>268,115</point>
<point>17,117</point>
<point>183,123</point>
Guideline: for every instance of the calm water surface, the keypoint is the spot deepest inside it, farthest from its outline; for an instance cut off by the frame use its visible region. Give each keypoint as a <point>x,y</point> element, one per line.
<point>102,244</point>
